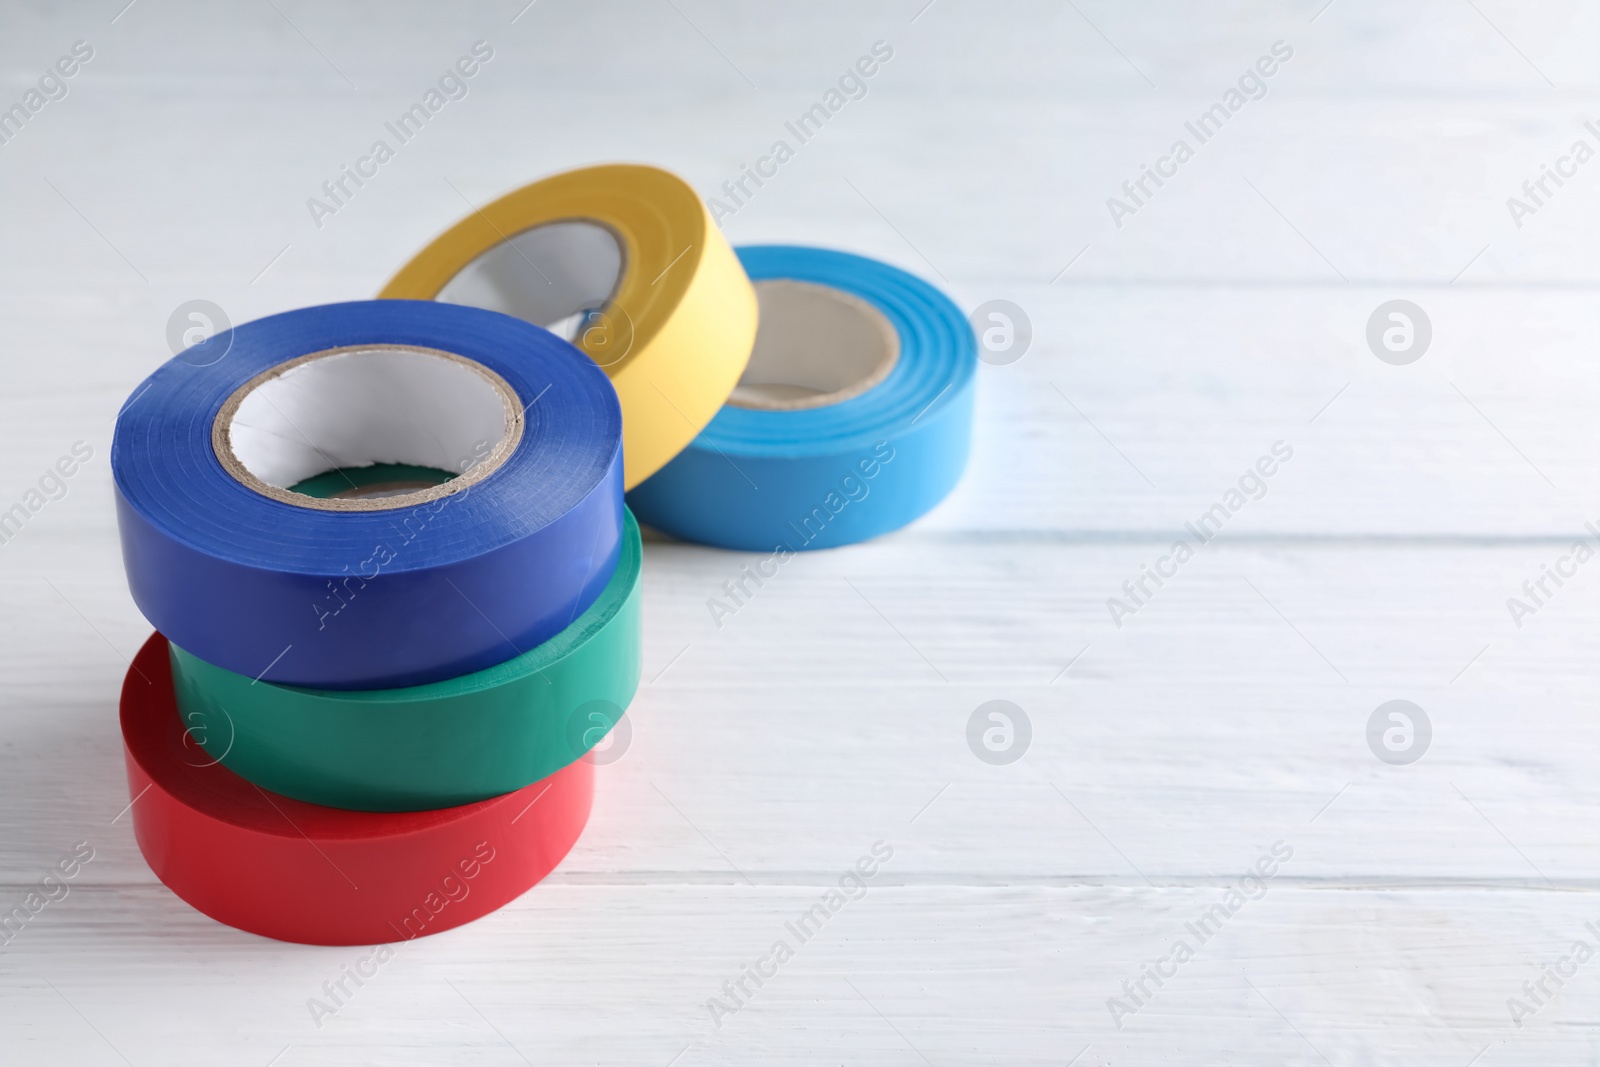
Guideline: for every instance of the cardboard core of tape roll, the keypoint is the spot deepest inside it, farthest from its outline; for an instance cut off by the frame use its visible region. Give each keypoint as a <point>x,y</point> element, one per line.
<point>552,275</point>
<point>815,346</point>
<point>356,407</point>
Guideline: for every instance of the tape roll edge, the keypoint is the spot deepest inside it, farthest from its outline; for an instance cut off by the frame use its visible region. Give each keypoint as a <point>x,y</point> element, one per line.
<point>664,417</point>
<point>706,323</point>
<point>588,639</point>
<point>179,839</point>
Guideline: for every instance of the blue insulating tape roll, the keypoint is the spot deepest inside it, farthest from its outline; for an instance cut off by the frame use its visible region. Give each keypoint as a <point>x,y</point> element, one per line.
<point>757,480</point>
<point>362,599</point>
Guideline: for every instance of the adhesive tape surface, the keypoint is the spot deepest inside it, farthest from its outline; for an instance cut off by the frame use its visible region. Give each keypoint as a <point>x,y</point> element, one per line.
<point>626,260</point>
<point>301,872</point>
<point>853,418</point>
<point>435,745</point>
<point>482,511</point>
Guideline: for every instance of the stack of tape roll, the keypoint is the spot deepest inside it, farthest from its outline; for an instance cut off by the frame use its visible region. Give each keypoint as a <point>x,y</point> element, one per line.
<point>385,547</point>
<point>397,596</point>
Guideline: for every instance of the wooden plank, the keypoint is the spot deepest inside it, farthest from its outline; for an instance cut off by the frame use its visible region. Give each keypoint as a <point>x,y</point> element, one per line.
<point>618,974</point>
<point>1138,409</point>
<point>1234,703</point>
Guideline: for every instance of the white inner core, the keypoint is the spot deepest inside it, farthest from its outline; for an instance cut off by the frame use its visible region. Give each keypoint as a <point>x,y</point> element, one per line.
<point>548,275</point>
<point>372,405</point>
<point>816,346</point>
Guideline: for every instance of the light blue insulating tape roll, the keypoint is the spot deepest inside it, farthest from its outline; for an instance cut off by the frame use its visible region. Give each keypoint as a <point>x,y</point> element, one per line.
<point>382,586</point>
<point>757,479</point>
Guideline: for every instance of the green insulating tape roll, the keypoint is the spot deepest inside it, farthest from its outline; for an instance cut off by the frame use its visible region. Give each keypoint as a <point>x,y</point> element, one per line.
<point>435,745</point>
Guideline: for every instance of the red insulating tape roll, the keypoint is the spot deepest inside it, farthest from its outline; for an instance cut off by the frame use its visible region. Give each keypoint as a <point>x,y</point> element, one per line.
<point>324,876</point>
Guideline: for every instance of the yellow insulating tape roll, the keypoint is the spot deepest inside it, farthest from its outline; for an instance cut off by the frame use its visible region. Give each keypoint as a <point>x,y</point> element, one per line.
<point>627,261</point>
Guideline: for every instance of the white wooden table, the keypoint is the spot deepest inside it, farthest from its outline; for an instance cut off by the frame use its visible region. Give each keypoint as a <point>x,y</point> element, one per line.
<point>1168,754</point>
